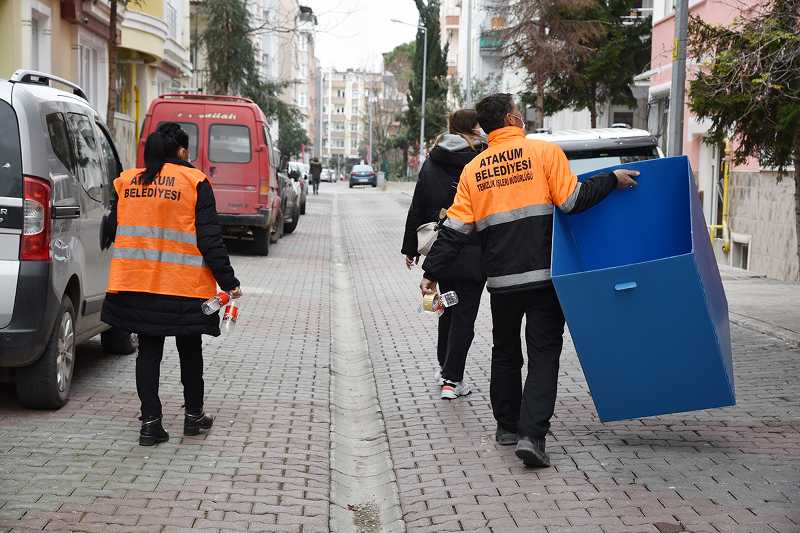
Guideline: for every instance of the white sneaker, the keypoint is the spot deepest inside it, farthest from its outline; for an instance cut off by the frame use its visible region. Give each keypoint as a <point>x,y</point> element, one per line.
<point>451,391</point>
<point>437,376</point>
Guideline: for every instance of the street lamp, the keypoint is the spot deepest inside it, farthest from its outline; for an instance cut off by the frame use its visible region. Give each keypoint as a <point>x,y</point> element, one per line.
<point>424,85</point>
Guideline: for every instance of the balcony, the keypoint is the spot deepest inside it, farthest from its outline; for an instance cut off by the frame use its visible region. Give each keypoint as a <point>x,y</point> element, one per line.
<point>491,42</point>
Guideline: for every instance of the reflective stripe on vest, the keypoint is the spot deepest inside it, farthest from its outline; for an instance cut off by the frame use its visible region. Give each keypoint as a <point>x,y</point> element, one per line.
<point>157,233</point>
<point>523,278</point>
<point>143,254</point>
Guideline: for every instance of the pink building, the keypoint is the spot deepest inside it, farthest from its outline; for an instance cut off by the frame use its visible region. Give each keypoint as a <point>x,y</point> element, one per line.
<point>763,236</point>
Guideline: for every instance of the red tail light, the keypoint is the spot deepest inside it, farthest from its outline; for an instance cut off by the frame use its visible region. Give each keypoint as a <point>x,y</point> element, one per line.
<point>35,244</point>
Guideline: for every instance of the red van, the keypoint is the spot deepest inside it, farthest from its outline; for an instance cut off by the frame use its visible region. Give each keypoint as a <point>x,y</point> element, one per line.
<point>229,141</point>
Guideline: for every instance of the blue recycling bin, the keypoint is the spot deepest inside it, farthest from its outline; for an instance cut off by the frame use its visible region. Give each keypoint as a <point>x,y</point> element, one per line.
<point>643,297</point>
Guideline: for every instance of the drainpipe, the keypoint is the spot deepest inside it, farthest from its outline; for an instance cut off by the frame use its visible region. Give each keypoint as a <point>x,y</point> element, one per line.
<point>136,112</point>
<point>726,233</point>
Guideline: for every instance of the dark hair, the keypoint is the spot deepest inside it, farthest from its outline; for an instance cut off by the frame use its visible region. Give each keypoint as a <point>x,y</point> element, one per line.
<point>463,121</point>
<point>493,109</point>
<point>161,145</point>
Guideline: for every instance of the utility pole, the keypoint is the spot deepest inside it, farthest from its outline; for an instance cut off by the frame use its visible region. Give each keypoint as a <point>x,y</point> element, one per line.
<point>677,93</point>
<point>318,151</point>
<point>369,109</point>
<point>468,70</point>
<point>424,85</point>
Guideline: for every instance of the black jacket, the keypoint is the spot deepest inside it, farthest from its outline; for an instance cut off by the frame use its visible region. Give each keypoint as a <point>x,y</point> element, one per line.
<point>158,314</point>
<point>435,190</point>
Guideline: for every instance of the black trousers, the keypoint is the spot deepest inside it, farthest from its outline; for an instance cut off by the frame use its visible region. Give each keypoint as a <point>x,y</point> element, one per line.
<point>148,366</point>
<point>457,327</point>
<point>526,411</point>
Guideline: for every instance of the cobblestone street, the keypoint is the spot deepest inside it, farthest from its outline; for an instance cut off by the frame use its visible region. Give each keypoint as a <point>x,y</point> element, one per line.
<point>271,461</point>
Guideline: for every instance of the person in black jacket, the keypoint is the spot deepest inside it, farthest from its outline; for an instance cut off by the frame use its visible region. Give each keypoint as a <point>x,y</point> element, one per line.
<point>154,316</point>
<point>435,189</point>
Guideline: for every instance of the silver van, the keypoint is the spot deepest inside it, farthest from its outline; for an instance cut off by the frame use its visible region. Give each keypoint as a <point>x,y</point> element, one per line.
<point>57,167</point>
<point>592,149</point>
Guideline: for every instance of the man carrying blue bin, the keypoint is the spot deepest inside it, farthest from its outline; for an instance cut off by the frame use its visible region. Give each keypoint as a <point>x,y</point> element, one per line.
<point>507,194</point>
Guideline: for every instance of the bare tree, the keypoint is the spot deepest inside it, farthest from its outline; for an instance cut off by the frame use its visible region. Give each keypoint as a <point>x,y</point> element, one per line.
<point>544,37</point>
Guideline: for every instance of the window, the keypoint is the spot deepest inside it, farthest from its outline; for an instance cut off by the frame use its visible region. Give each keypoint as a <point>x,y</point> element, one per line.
<point>338,143</point>
<point>87,155</point>
<point>10,154</point>
<point>171,16</point>
<point>229,144</point>
<point>623,117</point>
<point>110,160</point>
<point>35,37</point>
<point>338,126</point>
<point>191,130</point>
<point>354,127</point>
<point>59,140</point>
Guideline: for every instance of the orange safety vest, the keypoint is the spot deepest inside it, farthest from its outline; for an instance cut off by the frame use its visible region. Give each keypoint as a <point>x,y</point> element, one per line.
<point>507,194</point>
<point>155,250</point>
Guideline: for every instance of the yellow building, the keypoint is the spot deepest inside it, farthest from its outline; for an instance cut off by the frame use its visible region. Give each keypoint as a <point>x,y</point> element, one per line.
<point>67,38</point>
<point>153,59</point>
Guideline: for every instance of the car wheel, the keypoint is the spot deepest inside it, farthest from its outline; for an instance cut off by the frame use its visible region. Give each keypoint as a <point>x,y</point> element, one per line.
<point>261,240</point>
<point>351,185</point>
<point>118,342</point>
<point>277,230</point>
<point>289,228</point>
<point>45,384</point>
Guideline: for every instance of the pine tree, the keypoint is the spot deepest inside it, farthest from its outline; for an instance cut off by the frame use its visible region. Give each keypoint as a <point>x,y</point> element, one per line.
<point>749,86</point>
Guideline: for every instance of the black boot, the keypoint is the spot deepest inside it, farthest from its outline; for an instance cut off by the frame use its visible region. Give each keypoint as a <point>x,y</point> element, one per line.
<point>194,423</point>
<point>152,431</point>
<point>505,437</point>
<point>532,453</point>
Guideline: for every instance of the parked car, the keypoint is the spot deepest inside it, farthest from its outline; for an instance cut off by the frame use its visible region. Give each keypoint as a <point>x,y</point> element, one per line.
<point>302,171</point>
<point>593,149</point>
<point>229,140</point>
<point>57,167</point>
<point>363,175</point>
<point>290,195</point>
<point>327,175</point>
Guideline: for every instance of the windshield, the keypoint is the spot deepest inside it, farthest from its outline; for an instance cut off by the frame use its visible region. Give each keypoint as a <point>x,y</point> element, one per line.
<point>590,160</point>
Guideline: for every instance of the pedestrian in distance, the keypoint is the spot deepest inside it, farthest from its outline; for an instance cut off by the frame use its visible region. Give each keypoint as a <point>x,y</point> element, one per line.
<point>433,194</point>
<point>507,196</point>
<point>316,172</point>
<point>168,258</point>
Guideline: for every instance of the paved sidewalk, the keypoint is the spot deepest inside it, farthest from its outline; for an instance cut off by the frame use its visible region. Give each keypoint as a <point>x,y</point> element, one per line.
<point>727,470</point>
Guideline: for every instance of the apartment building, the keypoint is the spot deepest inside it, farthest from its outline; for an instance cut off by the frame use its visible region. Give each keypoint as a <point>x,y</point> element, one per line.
<point>67,38</point>
<point>350,99</point>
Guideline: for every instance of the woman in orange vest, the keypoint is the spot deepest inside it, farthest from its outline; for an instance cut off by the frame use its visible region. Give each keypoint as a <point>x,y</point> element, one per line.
<point>168,258</point>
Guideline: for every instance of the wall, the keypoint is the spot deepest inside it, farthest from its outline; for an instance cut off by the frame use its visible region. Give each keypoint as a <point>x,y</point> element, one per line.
<point>11,33</point>
<point>762,207</point>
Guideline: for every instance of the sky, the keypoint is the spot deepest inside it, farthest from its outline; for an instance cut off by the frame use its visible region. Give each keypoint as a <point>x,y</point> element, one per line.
<point>354,33</point>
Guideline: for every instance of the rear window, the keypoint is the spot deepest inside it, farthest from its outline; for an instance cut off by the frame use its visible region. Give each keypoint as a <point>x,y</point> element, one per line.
<point>229,144</point>
<point>590,160</point>
<point>363,169</point>
<point>192,131</point>
<point>10,155</point>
